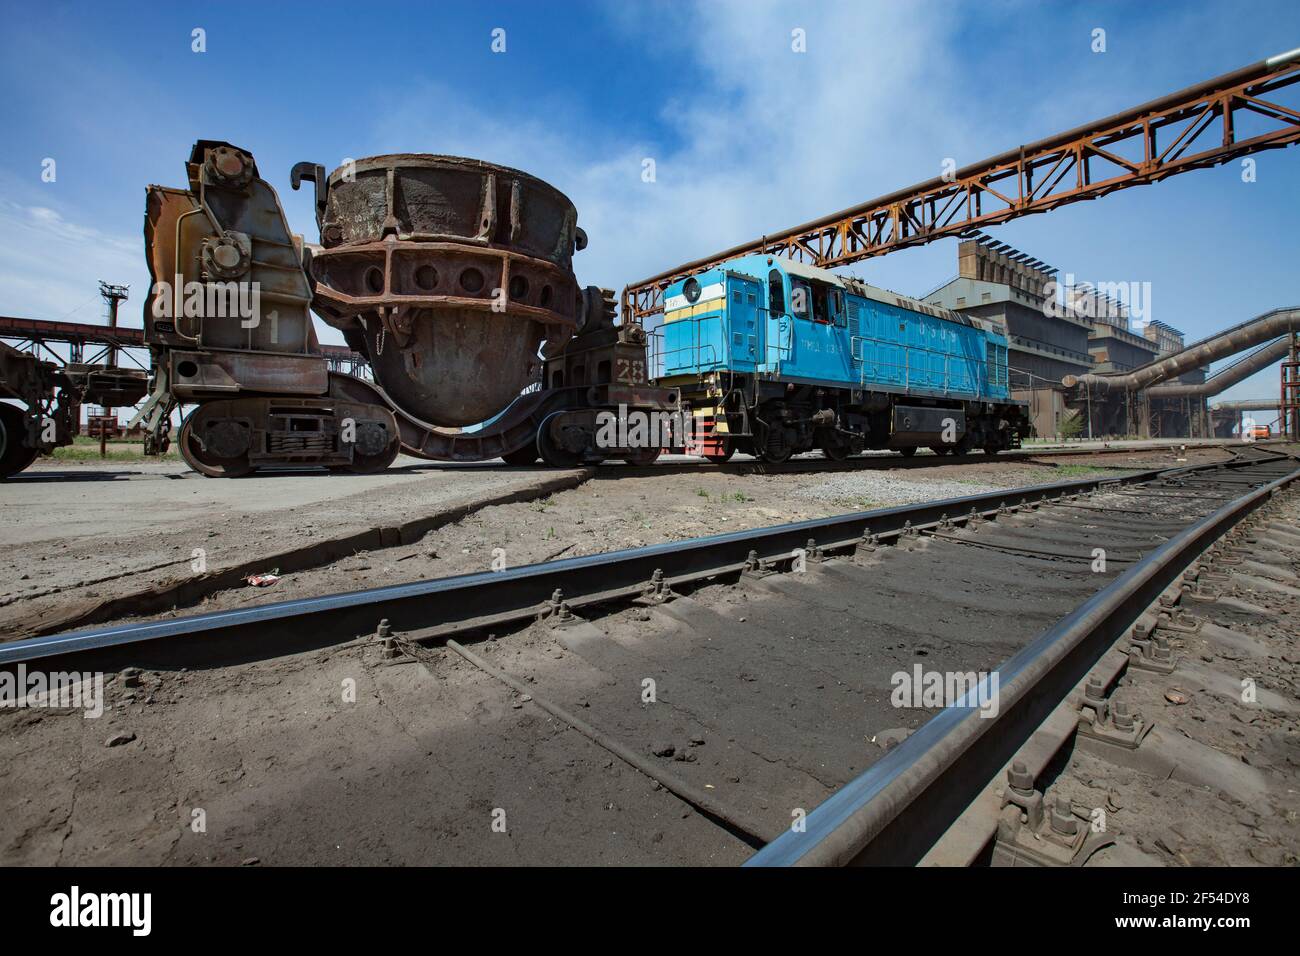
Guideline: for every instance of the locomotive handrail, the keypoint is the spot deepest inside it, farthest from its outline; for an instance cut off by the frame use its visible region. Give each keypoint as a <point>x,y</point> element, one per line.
<point>782,352</point>
<point>658,354</point>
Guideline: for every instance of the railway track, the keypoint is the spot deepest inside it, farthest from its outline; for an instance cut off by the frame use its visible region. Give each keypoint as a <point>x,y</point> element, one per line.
<point>139,587</point>
<point>755,678</point>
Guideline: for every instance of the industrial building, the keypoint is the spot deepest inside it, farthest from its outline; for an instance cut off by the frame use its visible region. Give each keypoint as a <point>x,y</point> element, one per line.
<point>995,281</point>
<point>1055,331</point>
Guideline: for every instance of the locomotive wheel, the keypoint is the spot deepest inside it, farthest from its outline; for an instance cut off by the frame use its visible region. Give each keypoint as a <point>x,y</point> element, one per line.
<point>369,457</point>
<point>775,456</point>
<point>774,448</point>
<point>204,463</point>
<point>373,464</point>
<point>14,455</point>
<point>646,456</point>
<point>908,452</point>
<point>941,449</point>
<point>835,452</point>
<point>522,456</point>
<point>992,449</point>
<point>553,454</point>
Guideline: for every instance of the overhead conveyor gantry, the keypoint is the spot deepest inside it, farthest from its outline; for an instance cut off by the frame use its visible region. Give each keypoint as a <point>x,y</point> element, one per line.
<point>1196,128</point>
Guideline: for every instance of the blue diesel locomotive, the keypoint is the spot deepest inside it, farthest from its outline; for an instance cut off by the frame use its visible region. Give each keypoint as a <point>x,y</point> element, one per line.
<point>775,357</point>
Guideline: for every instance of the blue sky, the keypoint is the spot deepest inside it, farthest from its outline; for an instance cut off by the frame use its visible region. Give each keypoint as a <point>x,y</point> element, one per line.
<point>747,136</point>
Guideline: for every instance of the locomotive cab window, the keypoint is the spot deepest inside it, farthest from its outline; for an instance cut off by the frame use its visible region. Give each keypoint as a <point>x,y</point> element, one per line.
<point>821,304</point>
<point>839,313</point>
<point>800,299</point>
<point>776,292</point>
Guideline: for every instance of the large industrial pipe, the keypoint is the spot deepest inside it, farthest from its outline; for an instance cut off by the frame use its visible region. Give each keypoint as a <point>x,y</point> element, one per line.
<point>1227,377</point>
<point>1229,342</point>
<point>1244,405</point>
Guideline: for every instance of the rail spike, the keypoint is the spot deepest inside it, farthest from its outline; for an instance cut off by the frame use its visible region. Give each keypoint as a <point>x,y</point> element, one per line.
<point>756,567</point>
<point>868,543</point>
<point>657,590</point>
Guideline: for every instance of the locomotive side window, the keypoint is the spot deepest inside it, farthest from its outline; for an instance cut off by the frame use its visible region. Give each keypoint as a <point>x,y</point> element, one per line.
<point>841,316</point>
<point>821,304</point>
<point>775,293</point>
<point>800,299</point>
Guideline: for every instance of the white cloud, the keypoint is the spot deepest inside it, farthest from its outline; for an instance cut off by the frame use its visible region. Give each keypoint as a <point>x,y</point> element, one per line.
<point>50,265</point>
<point>773,138</point>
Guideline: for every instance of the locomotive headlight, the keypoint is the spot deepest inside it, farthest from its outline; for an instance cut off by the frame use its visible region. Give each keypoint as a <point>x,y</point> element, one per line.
<point>691,290</point>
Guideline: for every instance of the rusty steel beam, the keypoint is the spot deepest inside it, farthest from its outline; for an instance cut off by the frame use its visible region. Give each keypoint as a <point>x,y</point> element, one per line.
<point>45,330</point>
<point>1170,135</point>
<point>1289,405</point>
<point>13,327</point>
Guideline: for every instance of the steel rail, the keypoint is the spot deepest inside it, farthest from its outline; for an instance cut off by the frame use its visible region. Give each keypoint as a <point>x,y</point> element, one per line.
<point>444,606</point>
<point>893,812</point>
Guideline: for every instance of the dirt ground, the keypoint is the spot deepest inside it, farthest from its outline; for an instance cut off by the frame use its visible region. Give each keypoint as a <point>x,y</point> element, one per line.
<point>98,544</point>
<point>75,538</point>
<point>270,763</point>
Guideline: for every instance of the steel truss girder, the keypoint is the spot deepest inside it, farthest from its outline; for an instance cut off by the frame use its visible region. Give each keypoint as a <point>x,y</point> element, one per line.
<point>1034,178</point>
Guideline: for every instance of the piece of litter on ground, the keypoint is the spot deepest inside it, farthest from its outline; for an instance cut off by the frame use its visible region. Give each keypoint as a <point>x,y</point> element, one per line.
<point>262,580</point>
